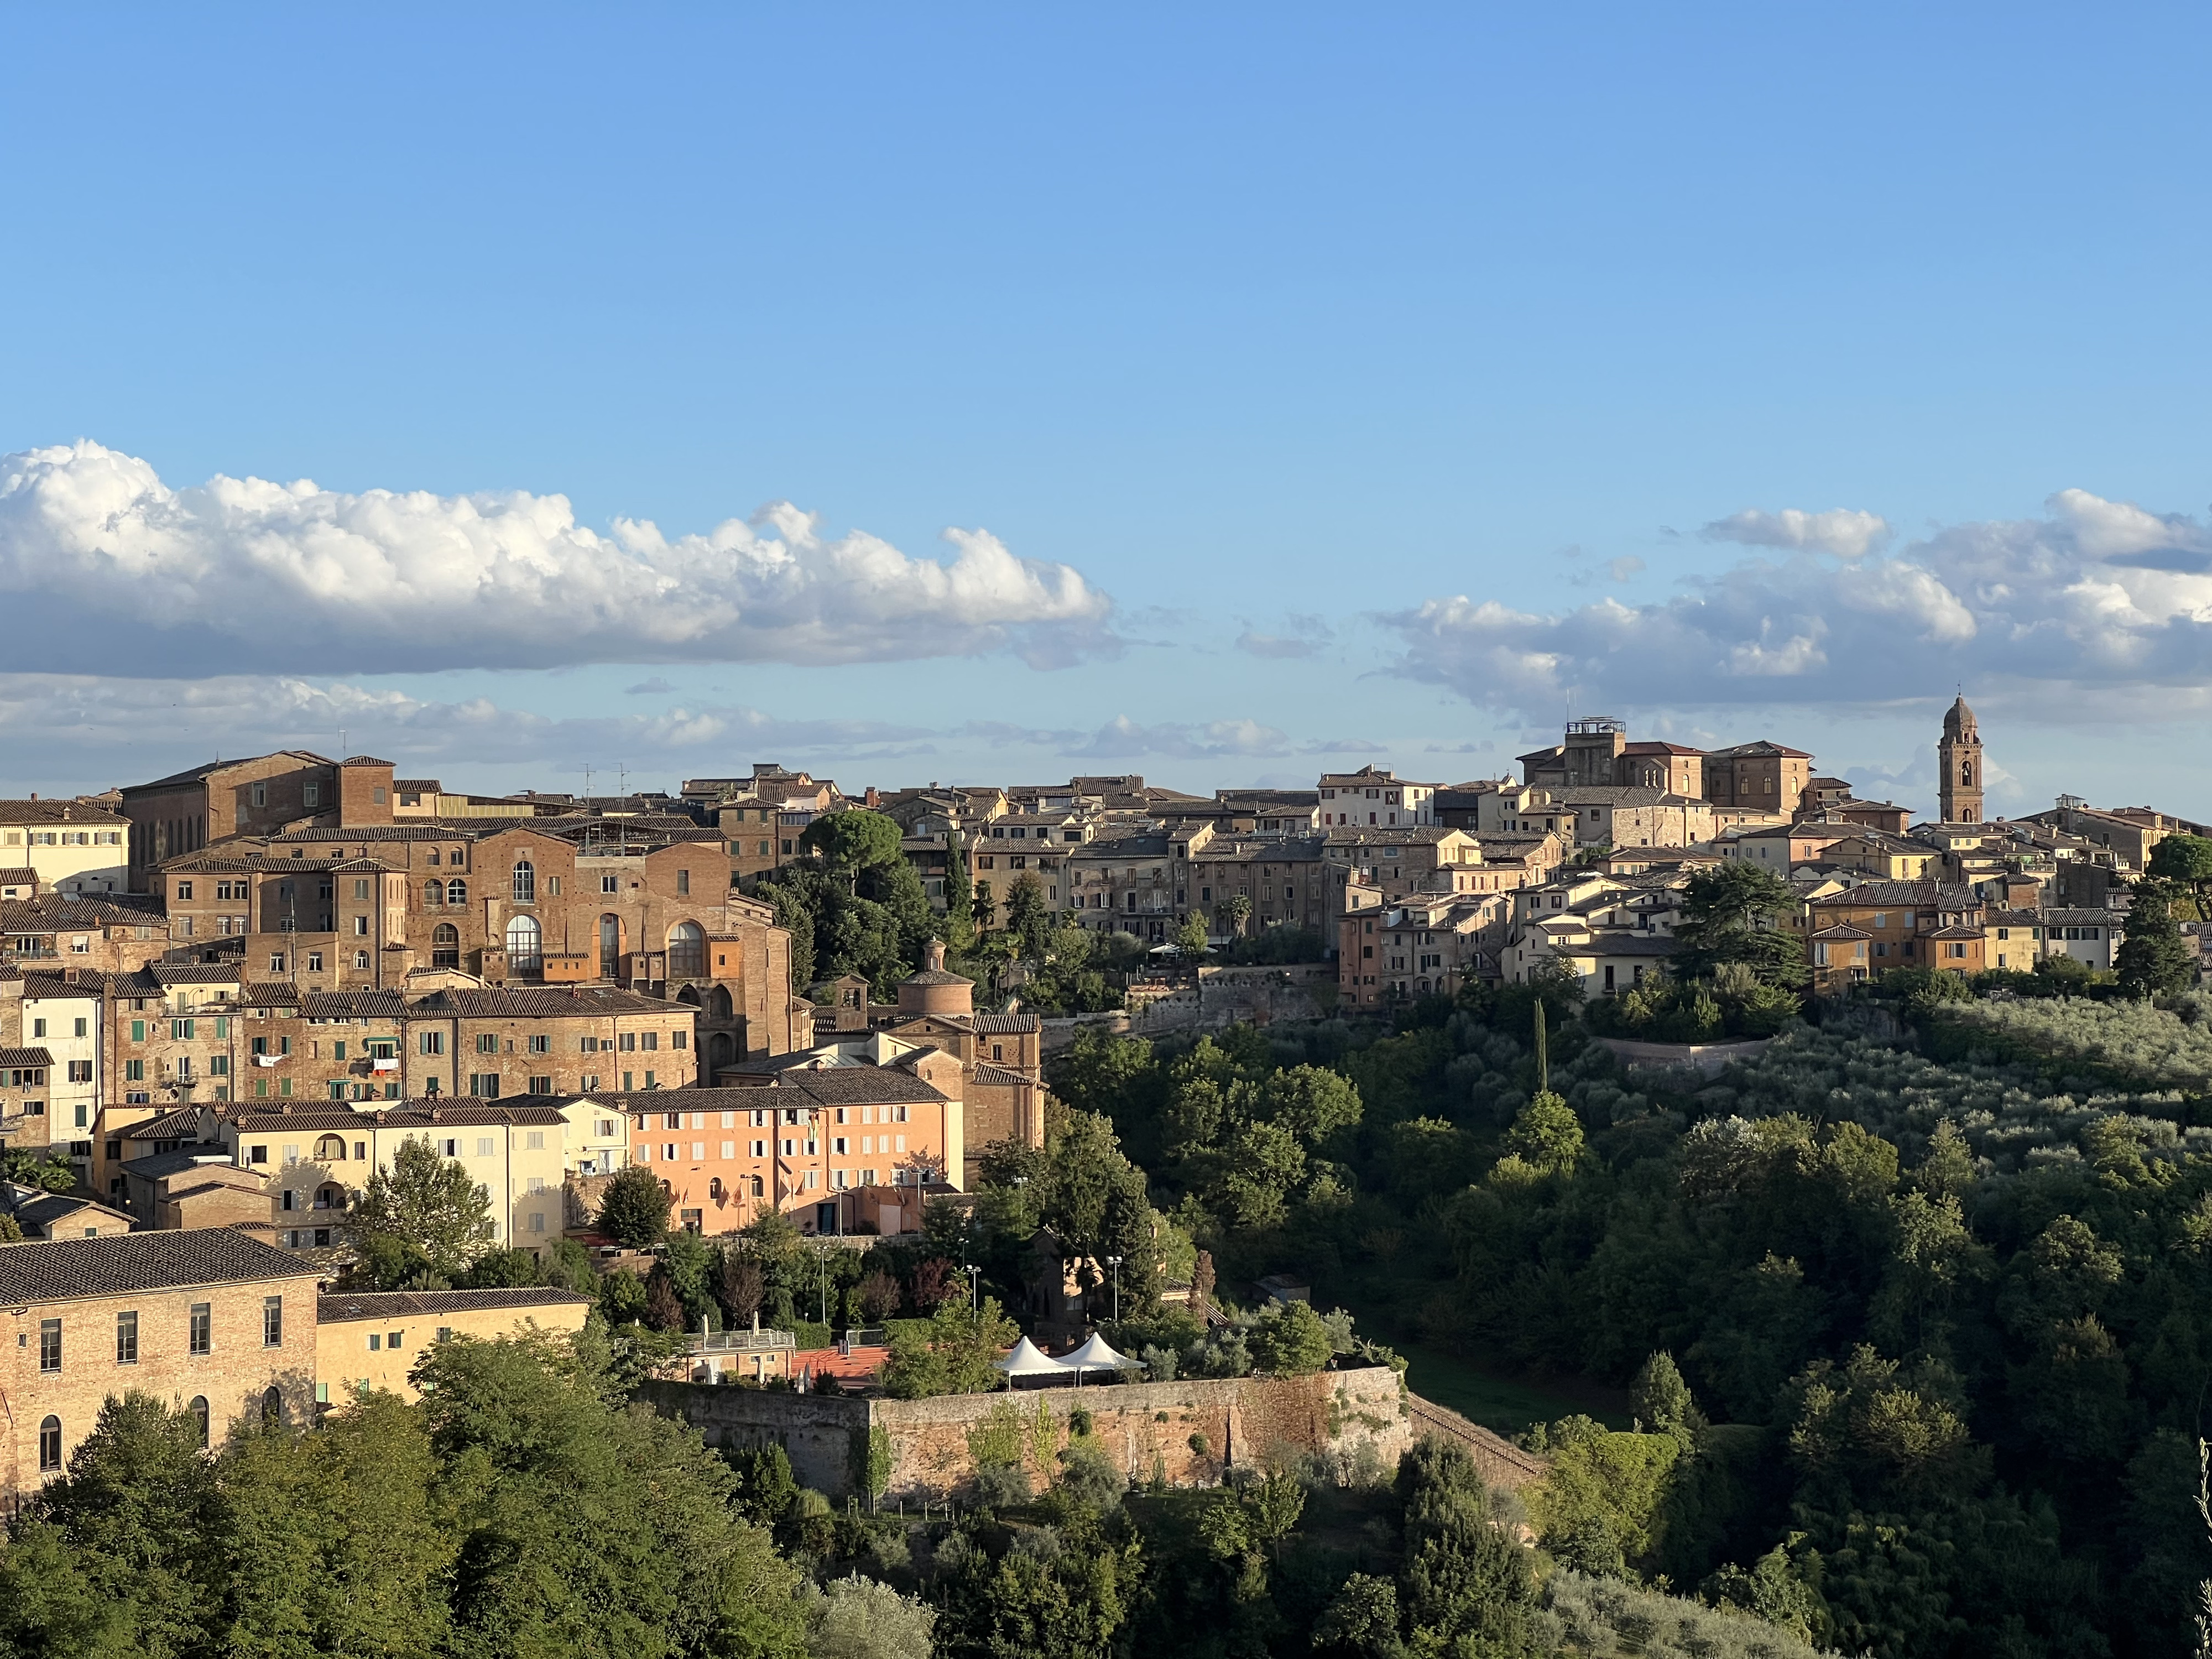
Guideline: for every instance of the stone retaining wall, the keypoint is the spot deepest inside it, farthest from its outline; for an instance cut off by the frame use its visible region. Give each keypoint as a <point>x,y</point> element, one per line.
<point>1187,1433</point>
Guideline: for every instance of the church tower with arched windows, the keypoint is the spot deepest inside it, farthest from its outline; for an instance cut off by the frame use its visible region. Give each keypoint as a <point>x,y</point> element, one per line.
<point>1958,757</point>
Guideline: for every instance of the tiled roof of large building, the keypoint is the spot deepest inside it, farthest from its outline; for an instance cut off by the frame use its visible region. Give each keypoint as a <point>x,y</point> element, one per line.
<point>76,813</point>
<point>393,1305</point>
<point>199,774</point>
<point>1005,1025</point>
<point>492,1002</point>
<point>69,1269</point>
<point>51,912</point>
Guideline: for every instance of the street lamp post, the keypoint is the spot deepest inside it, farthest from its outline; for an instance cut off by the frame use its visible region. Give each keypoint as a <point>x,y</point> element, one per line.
<point>1115,1262</point>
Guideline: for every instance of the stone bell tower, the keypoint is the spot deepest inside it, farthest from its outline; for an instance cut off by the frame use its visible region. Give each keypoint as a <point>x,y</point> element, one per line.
<point>1958,757</point>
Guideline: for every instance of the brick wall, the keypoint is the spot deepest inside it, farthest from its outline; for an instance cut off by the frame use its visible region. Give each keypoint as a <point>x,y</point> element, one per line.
<point>232,1376</point>
<point>1149,1428</point>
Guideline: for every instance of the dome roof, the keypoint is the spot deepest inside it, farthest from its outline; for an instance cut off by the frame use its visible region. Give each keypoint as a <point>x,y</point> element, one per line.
<point>1959,721</point>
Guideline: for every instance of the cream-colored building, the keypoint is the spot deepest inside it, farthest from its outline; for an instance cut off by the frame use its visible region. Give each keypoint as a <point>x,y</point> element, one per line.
<point>371,1341</point>
<point>74,847</point>
<point>316,1157</point>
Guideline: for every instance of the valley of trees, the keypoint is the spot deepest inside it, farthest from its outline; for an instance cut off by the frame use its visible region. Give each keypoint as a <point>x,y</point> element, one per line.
<point>1936,1307</point>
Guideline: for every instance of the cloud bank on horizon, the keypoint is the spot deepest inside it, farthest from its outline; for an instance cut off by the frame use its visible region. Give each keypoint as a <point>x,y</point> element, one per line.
<point>2101,606</point>
<point>318,581</point>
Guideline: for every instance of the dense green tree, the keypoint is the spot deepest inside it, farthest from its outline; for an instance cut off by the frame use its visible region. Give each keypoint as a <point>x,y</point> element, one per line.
<point>427,1203</point>
<point>120,1557</point>
<point>2185,861</point>
<point>634,1208</point>
<point>590,1532</point>
<point>952,1352</point>
<point>1029,918</point>
<point>2154,959</point>
<point>854,840</point>
<point>959,901</point>
<point>1732,917</point>
<point>1291,1340</point>
<point>336,1541</point>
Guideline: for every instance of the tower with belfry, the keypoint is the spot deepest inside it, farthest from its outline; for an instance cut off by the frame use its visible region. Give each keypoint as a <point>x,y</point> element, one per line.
<point>1958,757</point>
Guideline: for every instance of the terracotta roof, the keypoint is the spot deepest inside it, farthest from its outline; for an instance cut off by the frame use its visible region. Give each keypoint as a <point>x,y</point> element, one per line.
<point>19,1058</point>
<point>986,1072</point>
<point>418,786</point>
<point>1005,1025</point>
<point>1842,933</point>
<point>392,1305</point>
<point>24,877</point>
<point>51,912</point>
<point>71,812</point>
<point>70,1269</point>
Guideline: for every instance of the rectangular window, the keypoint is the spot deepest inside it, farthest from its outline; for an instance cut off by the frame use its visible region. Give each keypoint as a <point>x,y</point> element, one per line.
<point>126,1339</point>
<point>650,1040</point>
<point>203,1326</point>
<point>484,1086</point>
<point>540,1043</point>
<point>539,1085</point>
<point>683,883</point>
<point>537,1221</point>
<point>133,1071</point>
<point>375,1342</point>
<point>627,1042</point>
<point>273,1321</point>
<point>679,1040</point>
<point>486,1043</point>
<point>434,1042</point>
<point>49,1345</point>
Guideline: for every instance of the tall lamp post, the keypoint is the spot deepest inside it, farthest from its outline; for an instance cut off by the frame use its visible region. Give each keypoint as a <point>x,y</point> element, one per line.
<point>975,1287</point>
<point>1115,1262</point>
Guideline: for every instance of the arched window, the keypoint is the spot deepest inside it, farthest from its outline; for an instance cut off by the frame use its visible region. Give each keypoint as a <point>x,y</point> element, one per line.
<point>50,1445</point>
<point>753,1188</point>
<point>714,1189</point>
<point>523,948</point>
<point>198,1408</point>
<point>445,946</point>
<point>272,1406</point>
<point>434,894</point>
<point>456,891</point>
<point>687,951</point>
<point>329,1197</point>
<point>526,880</point>
<point>360,960</point>
<point>331,1149</point>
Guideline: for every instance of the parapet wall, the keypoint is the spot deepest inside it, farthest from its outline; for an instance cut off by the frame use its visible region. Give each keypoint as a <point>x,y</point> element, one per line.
<point>1187,1433</point>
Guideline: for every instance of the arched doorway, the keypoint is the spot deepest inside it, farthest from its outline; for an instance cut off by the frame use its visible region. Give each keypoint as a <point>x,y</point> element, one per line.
<point>445,946</point>
<point>720,1052</point>
<point>719,1006</point>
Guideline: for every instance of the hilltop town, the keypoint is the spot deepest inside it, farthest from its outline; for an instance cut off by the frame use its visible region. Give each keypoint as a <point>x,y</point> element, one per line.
<point>229,995</point>
<point>308,1070</point>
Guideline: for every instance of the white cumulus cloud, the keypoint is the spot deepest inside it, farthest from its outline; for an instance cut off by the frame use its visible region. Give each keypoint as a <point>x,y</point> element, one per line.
<point>292,577</point>
<point>2098,608</point>
<point>1842,531</point>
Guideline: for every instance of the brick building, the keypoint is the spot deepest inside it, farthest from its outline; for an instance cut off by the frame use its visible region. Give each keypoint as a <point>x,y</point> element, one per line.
<point>220,1323</point>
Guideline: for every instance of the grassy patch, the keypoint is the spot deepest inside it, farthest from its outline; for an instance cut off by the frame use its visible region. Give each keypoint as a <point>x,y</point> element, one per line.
<point>1503,1403</point>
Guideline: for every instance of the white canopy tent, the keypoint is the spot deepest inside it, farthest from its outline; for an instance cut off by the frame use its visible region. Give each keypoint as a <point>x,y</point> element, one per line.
<point>1027,1360</point>
<point>1095,1356</point>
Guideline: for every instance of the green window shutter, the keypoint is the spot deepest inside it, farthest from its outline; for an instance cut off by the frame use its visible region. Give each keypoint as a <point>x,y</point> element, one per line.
<point>137,1030</point>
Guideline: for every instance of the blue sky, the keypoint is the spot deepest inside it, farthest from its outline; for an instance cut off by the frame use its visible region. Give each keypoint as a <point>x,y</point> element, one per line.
<point>1326,385</point>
